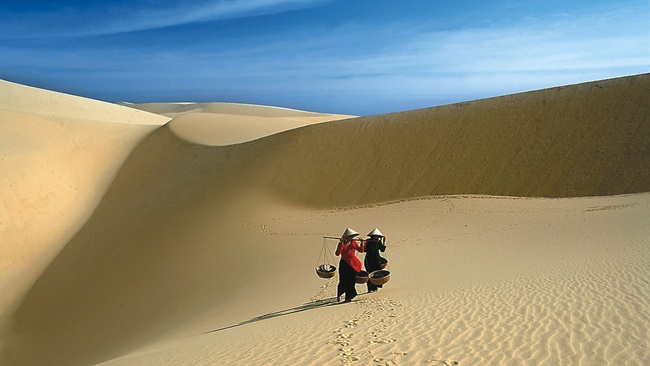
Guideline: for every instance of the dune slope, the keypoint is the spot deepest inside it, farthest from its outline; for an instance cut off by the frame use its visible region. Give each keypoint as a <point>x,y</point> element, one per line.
<point>59,154</point>
<point>581,140</point>
<point>171,241</point>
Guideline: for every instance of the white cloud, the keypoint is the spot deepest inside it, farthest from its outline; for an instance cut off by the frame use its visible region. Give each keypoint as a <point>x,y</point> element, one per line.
<point>120,18</point>
<point>438,67</point>
<point>207,11</point>
<point>531,54</point>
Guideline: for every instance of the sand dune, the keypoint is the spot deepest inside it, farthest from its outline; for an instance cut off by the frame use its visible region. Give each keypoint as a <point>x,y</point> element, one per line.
<point>236,109</point>
<point>583,140</point>
<point>59,154</point>
<point>204,254</point>
<point>223,129</point>
<point>220,124</point>
<point>20,98</point>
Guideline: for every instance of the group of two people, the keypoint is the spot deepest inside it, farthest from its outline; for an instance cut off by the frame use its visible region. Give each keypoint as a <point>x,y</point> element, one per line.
<point>350,265</point>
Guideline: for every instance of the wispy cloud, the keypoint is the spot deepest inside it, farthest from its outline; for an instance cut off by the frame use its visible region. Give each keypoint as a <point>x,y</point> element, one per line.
<point>529,54</point>
<point>121,17</point>
<point>155,18</point>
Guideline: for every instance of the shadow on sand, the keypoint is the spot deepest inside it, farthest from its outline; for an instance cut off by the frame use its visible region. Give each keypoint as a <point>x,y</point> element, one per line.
<point>304,307</point>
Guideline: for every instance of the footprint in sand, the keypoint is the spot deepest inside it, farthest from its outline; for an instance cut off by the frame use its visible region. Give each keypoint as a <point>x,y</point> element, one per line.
<point>378,317</point>
<point>444,362</point>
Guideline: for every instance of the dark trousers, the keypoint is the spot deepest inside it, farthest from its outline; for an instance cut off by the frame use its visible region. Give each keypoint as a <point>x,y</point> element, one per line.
<point>372,287</point>
<point>347,278</point>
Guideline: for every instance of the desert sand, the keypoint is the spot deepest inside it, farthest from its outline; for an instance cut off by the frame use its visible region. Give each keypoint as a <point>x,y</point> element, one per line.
<point>187,233</point>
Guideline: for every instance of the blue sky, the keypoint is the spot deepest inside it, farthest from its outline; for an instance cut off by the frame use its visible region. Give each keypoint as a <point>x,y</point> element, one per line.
<point>358,57</point>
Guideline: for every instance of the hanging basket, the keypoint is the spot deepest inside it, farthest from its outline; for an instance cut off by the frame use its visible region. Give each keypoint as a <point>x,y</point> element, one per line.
<point>326,272</point>
<point>379,277</point>
<point>324,269</point>
<point>361,277</point>
<point>383,262</point>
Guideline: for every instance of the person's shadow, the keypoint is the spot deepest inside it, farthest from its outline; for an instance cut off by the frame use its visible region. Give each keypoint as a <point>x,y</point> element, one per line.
<point>307,306</point>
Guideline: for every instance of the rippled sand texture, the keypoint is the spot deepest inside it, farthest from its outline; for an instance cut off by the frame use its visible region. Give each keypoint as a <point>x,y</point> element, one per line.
<point>560,281</point>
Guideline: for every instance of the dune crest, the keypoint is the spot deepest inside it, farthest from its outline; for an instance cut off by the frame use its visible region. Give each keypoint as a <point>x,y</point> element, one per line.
<point>21,98</point>
<point>212,129</point>
<point>221,124</point>
<point>238,109</point>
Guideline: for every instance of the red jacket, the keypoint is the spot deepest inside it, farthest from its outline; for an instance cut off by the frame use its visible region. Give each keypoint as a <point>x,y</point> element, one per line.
<point>347,252</point>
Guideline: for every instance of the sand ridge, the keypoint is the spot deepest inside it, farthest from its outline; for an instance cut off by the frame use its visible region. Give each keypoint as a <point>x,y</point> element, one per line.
<point>236,109</point>
<point>221,124</point>
<point>181,258</point>
<point>21,98</point>
<point>216,129</point>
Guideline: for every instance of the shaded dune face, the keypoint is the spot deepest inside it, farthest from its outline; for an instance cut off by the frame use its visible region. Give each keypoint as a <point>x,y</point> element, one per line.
<point>147,259</point>
<point>582,140</point>
<point>170,223</point>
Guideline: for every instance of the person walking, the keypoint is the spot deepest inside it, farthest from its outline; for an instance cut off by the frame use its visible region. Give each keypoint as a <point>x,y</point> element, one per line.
<point>373,245</point>
<point>349,265</point>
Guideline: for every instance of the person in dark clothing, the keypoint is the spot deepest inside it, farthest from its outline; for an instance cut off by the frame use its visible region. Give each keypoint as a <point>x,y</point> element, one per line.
<point>375,243</point>
<point>349,264</point>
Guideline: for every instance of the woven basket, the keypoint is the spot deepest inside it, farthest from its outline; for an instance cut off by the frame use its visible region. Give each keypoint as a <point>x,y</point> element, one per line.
<point>383,262</point>
<point>361,277</point>
<point>326,274</point>
<point>379,277</point>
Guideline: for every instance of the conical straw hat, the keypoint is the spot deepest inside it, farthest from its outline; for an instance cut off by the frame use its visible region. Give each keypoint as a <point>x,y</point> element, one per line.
<point>349,232</point>
<point>375,232</point>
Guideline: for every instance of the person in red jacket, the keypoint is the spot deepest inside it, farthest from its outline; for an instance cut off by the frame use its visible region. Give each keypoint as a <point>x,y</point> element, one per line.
<point>349,265</point>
